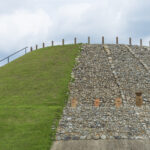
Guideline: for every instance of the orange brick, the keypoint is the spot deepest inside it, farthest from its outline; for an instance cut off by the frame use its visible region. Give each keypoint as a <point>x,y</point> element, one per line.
<point>118,102</point>
<point>97,102</point>
<point>74,103</point>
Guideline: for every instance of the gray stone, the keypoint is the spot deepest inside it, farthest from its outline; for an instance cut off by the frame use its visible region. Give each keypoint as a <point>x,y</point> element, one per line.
<point>58,138</point>
<point>66,138</point>
<point>82,137</point>
<point>96,137</point>
<point>75,138</point>
<point>103,137</point>
<point>89,137</point>
<point>117,137</point>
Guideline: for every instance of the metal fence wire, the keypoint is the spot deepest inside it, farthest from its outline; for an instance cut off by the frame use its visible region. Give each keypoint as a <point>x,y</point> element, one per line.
<point>75,41</point>
<point>8,57</point>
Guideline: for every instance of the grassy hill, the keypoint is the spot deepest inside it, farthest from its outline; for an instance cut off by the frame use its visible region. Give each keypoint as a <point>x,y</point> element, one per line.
<point>32,96</point>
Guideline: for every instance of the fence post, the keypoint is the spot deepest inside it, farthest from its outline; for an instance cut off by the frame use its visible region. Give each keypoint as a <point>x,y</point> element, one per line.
<point>75,40</point>
<point>139,99</point>
<point>140,42</point>
<point>88,40</point>
<point>102,39</point>
<point>8,59</point>
<point>43,45</point>
<point>25,50</point>
<point>130,41</point>
<point>149,43</point>
<point>36,47</point>
<point>52,43</point>
<point>63,42</point>
<point>31,49</point>
<point>117,40</point>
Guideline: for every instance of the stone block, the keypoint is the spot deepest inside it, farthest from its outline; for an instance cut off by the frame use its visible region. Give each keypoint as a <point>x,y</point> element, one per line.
<point>118,102</point>
<point>97,102</point>
<point>139,100</point>
<point>74,103</point>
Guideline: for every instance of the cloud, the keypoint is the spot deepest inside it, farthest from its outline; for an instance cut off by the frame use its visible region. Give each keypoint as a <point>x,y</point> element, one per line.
<point>23,27</point>
<point>35,21</point>
<point>70,18</point>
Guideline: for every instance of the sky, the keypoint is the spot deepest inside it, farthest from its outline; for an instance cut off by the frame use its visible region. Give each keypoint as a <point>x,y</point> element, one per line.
<point>29,22</point>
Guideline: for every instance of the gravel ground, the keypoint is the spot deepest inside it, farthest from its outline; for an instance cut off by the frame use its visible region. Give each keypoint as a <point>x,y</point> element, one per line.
<point>108,72</point>
<point>143,53</point>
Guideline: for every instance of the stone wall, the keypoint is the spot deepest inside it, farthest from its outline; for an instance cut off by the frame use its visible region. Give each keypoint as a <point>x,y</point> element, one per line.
<point>107,73</point>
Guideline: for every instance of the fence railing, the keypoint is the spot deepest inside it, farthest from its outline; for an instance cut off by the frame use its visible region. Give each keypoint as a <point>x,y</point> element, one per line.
<point>63,43</point>
<point>8,57</point>
<point>88,42</point>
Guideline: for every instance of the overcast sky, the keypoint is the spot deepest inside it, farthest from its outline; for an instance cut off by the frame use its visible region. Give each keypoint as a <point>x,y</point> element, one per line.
<point>27,22</point>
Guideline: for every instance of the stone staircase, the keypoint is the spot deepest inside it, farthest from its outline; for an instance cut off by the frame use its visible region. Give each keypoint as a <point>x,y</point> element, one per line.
<point>107,72</point>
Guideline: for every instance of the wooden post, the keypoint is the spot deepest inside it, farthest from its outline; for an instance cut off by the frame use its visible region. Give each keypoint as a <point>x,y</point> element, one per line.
<point>36,47</point>
<point>25,50</point>
<point>75,40</point>
<point>102,39</point>
<point>52,43</point>
<point>43,45</point>
<point>63,42</point>
<point>117,40</point>
<point>130,41</point>
<point>31,49</point>
<point>149,43</point>
<point>88,40</point>
<point>139,100</point>
<point>140,42</point>
<point>8,59</point>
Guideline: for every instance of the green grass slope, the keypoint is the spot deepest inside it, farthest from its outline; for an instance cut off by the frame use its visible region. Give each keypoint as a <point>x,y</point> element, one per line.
<point>32,96</point>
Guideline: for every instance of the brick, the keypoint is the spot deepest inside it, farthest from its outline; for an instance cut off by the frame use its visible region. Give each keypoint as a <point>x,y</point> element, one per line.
<point>118,102</point>
<point>74,103</point>
<point>97,102</point>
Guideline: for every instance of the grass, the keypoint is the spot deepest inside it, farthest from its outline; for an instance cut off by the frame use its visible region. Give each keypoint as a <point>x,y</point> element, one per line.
<point>33,91</point>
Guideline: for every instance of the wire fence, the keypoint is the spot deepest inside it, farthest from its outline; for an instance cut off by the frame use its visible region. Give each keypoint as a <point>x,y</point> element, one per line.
<point>96,40</point>
<point>13,56</point>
